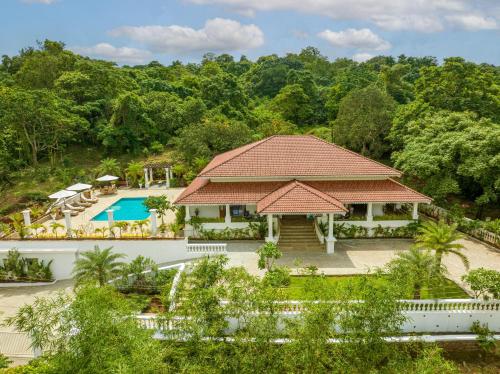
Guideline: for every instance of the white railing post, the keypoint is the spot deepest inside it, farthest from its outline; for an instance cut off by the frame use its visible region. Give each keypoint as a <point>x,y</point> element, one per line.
<point>154,225</point>
<point>67,221</point>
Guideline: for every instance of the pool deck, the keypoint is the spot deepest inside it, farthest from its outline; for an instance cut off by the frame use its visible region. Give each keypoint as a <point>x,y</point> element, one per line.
<point>85,218</point>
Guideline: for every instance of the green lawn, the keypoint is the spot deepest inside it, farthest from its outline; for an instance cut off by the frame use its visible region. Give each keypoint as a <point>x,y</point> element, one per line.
<point>303,287</point>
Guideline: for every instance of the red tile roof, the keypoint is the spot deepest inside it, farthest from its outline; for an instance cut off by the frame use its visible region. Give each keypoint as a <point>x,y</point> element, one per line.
<point>297,197</point>
<point>204,192</point>
<point>226,193</point>
<point>294,156</point>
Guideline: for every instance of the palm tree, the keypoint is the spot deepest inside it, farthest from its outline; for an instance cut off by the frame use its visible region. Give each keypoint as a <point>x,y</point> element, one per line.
<point>101,230</point>
<point>121,226</point>
<point>108,166</point>
<point>55,226</point>
<point>37,226</point>
<point>140,225</point>
<point>441,238</point>
<point>134,172</point>
<point>98,265</point>
<point>417,267</point>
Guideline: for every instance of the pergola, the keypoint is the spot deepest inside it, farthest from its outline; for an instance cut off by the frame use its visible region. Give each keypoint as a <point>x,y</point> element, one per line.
<point>148,172</point>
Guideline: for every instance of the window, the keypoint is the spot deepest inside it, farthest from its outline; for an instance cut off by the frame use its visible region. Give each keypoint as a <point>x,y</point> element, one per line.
<point>237,210</point>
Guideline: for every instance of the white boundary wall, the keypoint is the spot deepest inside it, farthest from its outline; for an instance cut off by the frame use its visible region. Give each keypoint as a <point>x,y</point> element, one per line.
<point>65,252</point>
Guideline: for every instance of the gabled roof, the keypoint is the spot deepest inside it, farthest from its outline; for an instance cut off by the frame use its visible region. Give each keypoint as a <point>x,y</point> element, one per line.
<point>294,156</point>
<point>297,197</point>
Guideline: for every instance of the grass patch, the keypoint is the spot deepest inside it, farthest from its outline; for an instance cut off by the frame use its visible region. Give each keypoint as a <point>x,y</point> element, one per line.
<point>306,287</point>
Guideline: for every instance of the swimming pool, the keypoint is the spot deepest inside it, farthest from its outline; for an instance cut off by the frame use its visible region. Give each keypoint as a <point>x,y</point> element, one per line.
<point>125,209</point>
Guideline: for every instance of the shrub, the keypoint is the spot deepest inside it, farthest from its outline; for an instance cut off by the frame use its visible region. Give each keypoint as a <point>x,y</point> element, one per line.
<point>485,337</point>
<point>268,253</point>
<point>278,276</point>
<point>483,282</point>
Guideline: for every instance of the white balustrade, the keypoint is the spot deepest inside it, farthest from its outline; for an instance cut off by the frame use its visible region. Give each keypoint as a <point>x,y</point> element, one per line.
<point>208,248</point>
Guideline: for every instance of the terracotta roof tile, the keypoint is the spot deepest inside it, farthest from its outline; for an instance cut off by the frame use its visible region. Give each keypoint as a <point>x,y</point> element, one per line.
<point>296,197</point>
<point>385,191</point>
<point>227,192</point>
<point>294,156</point>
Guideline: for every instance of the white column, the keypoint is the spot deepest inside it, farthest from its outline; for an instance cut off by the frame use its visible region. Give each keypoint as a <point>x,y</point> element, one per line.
<point>151,175</point>
<point>415,211</point>
<point>27,220</point>
<point>111,219</point>
<point>170,171</point>
<point>167,177</point>
<point>227,219</point>
<point>369,213</point>
<point>67,221</point>
<point>146,178</point>
<point>330,226</point>
<point>330,240</point>
<point>269,228</point>
<point>154,225</point>
<point>188,215</point>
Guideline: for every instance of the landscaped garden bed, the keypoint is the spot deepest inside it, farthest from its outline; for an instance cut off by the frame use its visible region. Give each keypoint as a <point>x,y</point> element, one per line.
<point>303,287</point>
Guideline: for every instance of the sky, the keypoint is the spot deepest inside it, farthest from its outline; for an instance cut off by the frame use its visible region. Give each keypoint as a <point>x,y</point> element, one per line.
<point>138,31</point>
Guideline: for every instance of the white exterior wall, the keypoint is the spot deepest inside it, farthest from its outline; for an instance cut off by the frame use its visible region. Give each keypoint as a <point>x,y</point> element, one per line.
<point>64,252</point>
<point>208,211</point>
<point>223,225</point>
<point>378,209</point>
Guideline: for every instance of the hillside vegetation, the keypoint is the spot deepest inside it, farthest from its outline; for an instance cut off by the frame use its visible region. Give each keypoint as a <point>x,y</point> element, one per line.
<point>61,114</point>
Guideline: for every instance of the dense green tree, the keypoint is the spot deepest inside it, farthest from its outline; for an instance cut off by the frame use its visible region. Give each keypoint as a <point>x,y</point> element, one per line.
<point>293,104</point>
<point>453,153</point>
<point>364,120</point>
<point>459,85</point>
<point>210,137</point>
<point>129,128</point>
<point>41,121</point>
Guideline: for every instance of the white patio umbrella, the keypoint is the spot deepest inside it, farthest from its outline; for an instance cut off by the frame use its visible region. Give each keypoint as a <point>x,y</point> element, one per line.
<point>107,178</point>
<point>79,187</point>
<point>62,194</point>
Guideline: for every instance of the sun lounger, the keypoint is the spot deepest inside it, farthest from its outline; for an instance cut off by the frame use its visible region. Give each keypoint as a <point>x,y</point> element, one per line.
<point>77,208</point>
<point>83,204</point>
<point>87,200</point>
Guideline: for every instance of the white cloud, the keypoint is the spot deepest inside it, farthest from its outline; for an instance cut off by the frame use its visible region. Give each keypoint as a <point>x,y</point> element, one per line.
<point>218,35</point>
<point>473,22</point>
<point>117,54</point>
<point>46,2</point>
<point>418,15</point>
<point>362,57</point>
<point>355,38</point>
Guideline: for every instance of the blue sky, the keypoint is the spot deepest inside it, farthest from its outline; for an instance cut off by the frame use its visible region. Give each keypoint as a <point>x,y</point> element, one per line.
<point>128,31</point>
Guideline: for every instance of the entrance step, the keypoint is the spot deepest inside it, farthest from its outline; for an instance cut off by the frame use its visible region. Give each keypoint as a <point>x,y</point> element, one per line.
<point>298,234</point>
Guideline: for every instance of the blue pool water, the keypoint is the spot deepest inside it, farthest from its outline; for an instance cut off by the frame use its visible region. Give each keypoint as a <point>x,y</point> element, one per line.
<point>125,209</point>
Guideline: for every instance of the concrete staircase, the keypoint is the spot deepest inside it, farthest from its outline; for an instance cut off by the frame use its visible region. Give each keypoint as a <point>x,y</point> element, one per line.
<point>298,234</point>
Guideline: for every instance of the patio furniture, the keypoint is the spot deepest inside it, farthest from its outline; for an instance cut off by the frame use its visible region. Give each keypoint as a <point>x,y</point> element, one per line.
<point>87,200</point>
<point>73,207</point>
<point>83,204</point>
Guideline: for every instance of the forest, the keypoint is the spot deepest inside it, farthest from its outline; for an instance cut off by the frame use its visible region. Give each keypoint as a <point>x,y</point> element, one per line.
<point>61,114</point>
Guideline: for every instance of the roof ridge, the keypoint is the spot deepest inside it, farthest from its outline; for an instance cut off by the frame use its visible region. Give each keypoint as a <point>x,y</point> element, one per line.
<point>255,144</point>
<point>354,153</point>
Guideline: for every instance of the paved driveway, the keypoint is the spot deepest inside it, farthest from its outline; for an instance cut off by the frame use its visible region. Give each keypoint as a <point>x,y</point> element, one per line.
<point>359,256</point>
<point>16,345</point>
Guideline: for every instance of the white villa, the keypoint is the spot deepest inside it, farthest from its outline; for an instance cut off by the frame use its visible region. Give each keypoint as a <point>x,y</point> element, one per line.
<point>299,183</point>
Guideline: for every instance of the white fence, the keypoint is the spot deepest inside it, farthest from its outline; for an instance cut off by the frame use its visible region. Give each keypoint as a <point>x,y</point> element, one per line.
<point>207,248</point>
<point>423,316</point>
<point>437,212</point>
